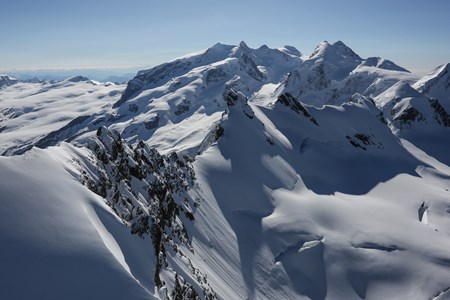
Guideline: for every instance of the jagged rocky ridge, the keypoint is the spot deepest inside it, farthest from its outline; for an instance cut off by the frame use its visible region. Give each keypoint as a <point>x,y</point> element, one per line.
<point>150,193</point>
<point>289,101</point>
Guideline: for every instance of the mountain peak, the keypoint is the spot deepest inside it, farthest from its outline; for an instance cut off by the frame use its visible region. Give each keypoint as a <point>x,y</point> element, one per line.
<point>241,49</point>
<point>436,84</point>
<point>441,70</point>
<point>78,78</point>
<point>404,89</point>
<point>291,50</point>
<point>242,44</point>
<point>343,50</point>
<point>398,91</point>
<point>217,51</point>
<point>339,43</point>
<point>447,66</point>
<point>333,51</point>
<point>320,49</point>
<point>219,47</point>
<point>4,76</point>
<point>382,63</point>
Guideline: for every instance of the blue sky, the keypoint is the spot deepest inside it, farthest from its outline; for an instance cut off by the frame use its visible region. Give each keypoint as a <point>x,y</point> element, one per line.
<point>118,33</point>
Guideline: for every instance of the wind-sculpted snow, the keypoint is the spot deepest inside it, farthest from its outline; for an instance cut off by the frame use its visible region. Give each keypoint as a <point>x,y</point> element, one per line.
<point>290,226</point>
<point>59,240</point>
<point>231,173</point>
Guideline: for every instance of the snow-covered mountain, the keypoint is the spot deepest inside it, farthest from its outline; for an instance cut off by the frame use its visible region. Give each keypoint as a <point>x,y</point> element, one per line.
<point>6,80</point>
<point>333,73</point>
<point>436,85</point>
<point>231,173</point>
<point>407,107</point>
<point>417,115</point>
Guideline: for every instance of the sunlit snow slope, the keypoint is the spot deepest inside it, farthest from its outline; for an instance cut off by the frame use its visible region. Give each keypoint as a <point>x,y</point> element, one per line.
<point>231,173</point>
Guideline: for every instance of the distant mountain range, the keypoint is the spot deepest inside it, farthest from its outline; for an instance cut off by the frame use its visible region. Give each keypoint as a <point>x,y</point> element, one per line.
<point>103,75</point>
<point>231,173</point>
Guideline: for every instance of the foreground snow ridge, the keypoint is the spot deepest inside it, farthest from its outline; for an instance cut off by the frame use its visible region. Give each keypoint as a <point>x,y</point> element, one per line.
<point>231,173</point>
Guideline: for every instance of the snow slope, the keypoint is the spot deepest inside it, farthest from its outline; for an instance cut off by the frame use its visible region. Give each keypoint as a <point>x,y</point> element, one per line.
<point>319,217</point>
<point>60,241</point>
<point>30,112</point>
<point>231,173</point>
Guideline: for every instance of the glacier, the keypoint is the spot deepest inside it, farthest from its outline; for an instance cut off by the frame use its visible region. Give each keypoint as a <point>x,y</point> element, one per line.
<point>230,173</point>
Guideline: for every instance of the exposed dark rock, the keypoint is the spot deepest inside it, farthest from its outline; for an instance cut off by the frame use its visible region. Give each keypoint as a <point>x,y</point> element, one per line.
<point>150,193</point>
<point>376,246</point>
<point>182,107</point>
<point>382,118</point>
<point>421,211</point>
<point>355,144</point>
<point>214,134</point>
<point>442,117</point>
<point>231,98</point>
<point>133,87</point>
<point>364,138</point>
<point>215,75</point>
<point>249,66</point>
<point>235,98</point>
<point>133,108</point>
<point>219,132</point>
<point>361,140</point>
<point>410,115</point>
<point>290,101</point>
<point>318,80</point>
<point>183,290</point>
<point>152,123</point>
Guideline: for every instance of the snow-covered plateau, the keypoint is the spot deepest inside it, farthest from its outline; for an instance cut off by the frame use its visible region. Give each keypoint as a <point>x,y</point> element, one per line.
<point>231,173</point>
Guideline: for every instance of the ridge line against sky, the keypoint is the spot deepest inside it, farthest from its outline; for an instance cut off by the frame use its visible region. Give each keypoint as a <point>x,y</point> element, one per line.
<point>51,34</point>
